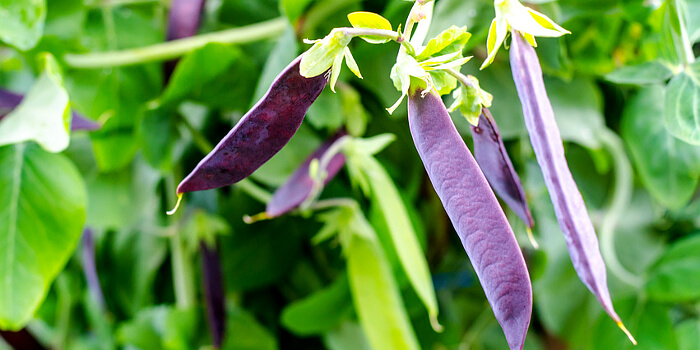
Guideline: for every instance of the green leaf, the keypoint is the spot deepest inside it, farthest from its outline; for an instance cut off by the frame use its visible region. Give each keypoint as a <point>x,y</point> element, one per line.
<point>403,236</point>
<point>644,73</point>
<point>443,82</point>
<point>669,168</point>
<point>688,334</point>
<point>159,136</point>
<point>321,311</point>
<point>43,115</point>
<point>370,20</point>
<point>375,293</point>
<point>682,105</point>
<point>294,8</point>
<point>201,75</point>
<point>349,336</point>
<point>244,332</point>
<point>161,327</point>
<point>22,22</point>
<point>449,41</point>
<point>41,220</point>
<point>675,277</point>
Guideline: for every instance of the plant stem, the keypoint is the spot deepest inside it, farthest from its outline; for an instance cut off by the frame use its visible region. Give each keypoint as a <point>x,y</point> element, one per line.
<point>687,55</point>
<point>253,190</point>
<point>175,48</point>
<point>621,196</point>
<point>183,282</point>
<point>460,77</point>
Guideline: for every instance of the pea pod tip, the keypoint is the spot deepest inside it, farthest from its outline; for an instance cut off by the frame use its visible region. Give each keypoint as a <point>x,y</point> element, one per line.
<point>627,332</point>
<point>177,205</point>
<point>437,327</point>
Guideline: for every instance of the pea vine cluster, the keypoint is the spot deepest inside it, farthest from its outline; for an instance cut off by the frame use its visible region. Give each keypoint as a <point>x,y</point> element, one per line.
<point>424,71</point>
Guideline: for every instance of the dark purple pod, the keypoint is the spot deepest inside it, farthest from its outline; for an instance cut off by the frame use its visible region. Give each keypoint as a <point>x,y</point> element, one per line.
<point>9,100</point>
<point>546,141</point>
<point>21,339</point>
<point>183,22</point>
<point>491,155</point>
<point>260,134</point>
<point>475,214</point>
<point>299,185</point>
<point>212,280</point>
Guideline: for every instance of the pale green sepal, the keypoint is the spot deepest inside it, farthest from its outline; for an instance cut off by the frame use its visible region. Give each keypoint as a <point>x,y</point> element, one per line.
<point>323,53</point>
<point>350,62</point>
<point>497,34</point>
<point>335,71</point>
<point>520,18</point>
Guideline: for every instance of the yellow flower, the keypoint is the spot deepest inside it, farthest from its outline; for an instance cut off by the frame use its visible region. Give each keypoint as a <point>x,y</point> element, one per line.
<point>511,14</point>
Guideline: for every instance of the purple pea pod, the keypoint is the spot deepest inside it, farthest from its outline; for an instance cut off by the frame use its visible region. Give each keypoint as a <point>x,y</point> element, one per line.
<point>300,185</point>
<point>475,214</point>
<point>491,155</point>
<point>568,203</point>
<point>90,268</point>
<point>183,18</point>
<point>213,293</point>
<point>183,22</point>
<point>260,134</point>
<point>10,100</point>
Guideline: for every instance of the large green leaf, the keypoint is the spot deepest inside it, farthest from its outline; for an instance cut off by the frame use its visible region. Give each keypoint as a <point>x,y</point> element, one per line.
<point>22,22</point>
<point>669,168</point>
<point>644,73</point>
<point>688,333</point>
<point>682,105</point>
<point>41,219</point>
<point>676,275</point>
<point>320,312</point>
<point>375,293</point>
<point>43,115</point>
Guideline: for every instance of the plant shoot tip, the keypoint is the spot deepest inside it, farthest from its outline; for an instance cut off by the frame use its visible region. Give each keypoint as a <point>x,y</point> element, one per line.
<point>177,205</point>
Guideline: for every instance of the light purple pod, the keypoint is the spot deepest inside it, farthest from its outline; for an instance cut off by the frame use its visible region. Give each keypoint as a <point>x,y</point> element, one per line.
<point>546,141</point>
<point>475,214</point>
<point>300,184</point>
<point>493,159</point>
<point>260,134</point>
<point>183,18</point>
<point>10,100</point>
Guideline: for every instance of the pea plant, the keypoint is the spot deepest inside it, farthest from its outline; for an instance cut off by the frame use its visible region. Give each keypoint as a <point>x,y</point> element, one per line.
<point>192,174</point>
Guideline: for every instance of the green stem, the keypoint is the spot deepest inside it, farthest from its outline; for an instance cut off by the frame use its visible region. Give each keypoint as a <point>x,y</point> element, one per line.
<point>198,138</point>
<point>253,190</point>
<point>687,55</point>
<point>175,48</point>
<point>621,197</point>
<point>183,281</point>
<point>115,3</point>
<point>460,77</point>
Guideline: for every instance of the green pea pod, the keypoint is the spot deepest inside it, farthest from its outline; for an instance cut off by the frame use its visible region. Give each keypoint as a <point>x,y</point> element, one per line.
<point>568,203</point>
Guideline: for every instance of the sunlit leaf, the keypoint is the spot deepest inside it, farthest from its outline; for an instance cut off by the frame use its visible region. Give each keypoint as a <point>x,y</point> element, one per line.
<point>41,220</point>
